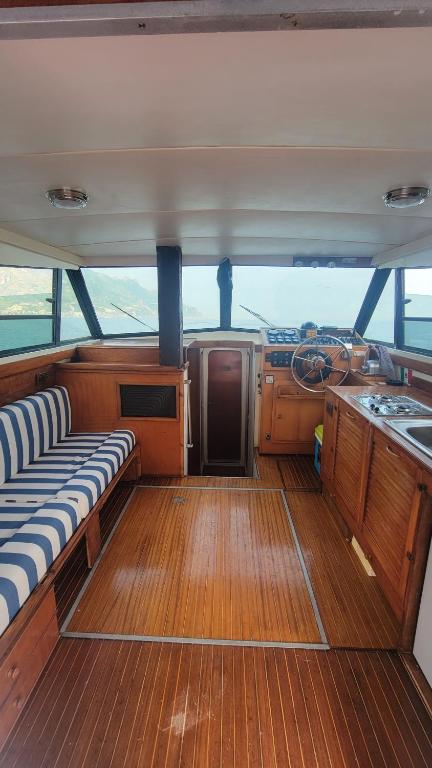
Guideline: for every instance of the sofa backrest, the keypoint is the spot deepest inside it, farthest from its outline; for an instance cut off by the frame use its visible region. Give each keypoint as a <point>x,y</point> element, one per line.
<point>31,426</point>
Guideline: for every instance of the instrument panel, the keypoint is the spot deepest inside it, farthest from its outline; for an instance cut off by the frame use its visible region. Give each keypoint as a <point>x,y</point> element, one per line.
<point>280,343</point>
<point>277,336</point>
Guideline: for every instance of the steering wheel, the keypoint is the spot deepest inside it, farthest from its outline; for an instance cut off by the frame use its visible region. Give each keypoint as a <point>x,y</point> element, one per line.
<point>313,365</point>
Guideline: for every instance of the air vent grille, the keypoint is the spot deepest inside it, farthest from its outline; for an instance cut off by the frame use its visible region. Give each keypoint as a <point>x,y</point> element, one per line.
<point>148,401</point>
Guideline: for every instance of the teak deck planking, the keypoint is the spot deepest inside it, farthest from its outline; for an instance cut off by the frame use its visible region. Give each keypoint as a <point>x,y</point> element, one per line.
<point>269,476</point>
<point>299,474</point>
<point>198,563</point>
<point>125,704</point>
<point>353,609</point>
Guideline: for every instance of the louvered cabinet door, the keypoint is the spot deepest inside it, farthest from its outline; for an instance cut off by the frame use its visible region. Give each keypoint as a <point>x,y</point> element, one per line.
<point>350,461</point>
<point>390,518</point>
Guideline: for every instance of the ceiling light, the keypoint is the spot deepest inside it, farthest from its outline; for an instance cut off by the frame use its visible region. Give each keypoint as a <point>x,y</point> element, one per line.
<point>406,197</point>
<point>68,198</point>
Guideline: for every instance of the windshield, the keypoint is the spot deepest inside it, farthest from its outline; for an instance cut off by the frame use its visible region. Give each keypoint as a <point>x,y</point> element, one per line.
<point>125,298</point>
<point>288,296</point>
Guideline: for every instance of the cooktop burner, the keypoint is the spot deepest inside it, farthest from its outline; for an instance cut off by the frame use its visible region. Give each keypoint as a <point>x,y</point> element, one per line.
<point>392,405</point>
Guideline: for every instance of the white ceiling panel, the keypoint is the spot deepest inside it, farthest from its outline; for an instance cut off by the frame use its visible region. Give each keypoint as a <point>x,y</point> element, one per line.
<point>204,248</point>
<point>66,230</point>
<point>250,145</point>
<point>290,179</point>
<point>311,88</point>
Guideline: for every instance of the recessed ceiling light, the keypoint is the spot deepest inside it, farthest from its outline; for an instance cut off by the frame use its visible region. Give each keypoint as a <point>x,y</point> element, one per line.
<point>65,197</point>
<point>406,197</point>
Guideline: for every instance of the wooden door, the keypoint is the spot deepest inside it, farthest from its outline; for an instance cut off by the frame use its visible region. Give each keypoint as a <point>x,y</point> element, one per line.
<point>295,415</point>
<point>390,518</point>
<point>350,460</point>
<point>224,407</point>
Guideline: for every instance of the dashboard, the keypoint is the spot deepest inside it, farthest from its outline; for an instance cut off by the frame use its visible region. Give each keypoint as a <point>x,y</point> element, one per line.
<point>280,343</point>
<point>324,337</point>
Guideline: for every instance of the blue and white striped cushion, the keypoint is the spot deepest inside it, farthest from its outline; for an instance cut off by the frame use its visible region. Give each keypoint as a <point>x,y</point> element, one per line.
<point>26,557</point>
<point>90,481</point>
<point>30,427</point>
<point>39,536</point>
<point>27,490</point>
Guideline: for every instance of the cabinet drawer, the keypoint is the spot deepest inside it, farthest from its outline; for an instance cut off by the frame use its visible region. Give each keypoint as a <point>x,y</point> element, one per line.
<point>22,666</point>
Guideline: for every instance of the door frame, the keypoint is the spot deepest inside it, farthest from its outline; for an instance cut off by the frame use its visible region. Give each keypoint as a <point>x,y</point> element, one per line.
<point>245,404</point>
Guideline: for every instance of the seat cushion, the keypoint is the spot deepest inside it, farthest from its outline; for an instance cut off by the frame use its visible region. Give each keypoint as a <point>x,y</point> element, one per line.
<point>30,427</point>
<point>90,481</point>
<point>28,489</point>
<point>26,557</point>
<point>69,478</point>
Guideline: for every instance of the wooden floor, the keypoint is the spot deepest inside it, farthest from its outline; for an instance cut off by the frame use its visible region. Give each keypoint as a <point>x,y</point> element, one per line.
<point>353,609</point>
<point>111,704</point>
<point>195,563</point>
<point>195,584</point>
<point>269,476</point>
<point>75,571</point>
<point>299,474</point>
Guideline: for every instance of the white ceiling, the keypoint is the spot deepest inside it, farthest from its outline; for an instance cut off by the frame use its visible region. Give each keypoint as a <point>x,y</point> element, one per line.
<point>258,146</point>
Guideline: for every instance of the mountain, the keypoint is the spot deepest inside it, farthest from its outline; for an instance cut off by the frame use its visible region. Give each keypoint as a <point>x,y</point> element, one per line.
<point>25,291</point>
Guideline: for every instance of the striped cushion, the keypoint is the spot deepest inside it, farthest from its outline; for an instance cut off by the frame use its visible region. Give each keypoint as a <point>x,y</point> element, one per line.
<point>27,490</point>
<point>33,535</point>
<point>26,557</point>
<point>30,427</point>
<point>90,481</point>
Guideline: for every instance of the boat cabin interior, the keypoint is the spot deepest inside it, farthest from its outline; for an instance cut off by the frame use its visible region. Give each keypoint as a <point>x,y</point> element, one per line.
<point>216,384</point>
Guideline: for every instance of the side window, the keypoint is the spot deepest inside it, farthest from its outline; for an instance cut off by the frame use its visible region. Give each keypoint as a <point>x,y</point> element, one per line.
<point>417,320</point>
<point>26,308</point>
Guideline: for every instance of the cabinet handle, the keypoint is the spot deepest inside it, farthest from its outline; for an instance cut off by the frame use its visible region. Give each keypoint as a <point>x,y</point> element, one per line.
<point>391,452</point>
<point>350,415</point>
<point>13,673</point>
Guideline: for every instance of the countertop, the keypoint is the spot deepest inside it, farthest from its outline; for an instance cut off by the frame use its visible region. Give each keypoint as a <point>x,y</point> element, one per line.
<point>346,394</point>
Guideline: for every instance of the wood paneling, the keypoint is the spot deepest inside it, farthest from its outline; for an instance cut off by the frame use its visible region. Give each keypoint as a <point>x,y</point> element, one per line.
<point>390,516</point>
<point>24,377</point>
<point>289,414</point>
<point>299,474</point>
<point>94,392</point>
<point>200,563</point>
<point>351,460</point>
<point>422,366</point>
<point>148,705</point>
<point>352,607</point>
<point>21,668</point>
<point>112,353</point>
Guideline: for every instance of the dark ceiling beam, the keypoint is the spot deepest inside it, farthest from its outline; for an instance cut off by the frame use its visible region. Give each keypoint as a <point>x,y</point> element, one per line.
<point>168,17</point>
<point>170,306</point>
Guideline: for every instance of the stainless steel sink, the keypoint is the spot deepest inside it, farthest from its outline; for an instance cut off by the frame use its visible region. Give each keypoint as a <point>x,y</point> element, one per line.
<point>417,431</point>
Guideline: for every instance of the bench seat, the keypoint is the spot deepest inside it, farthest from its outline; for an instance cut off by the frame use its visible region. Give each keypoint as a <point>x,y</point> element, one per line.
<point>50,479</point>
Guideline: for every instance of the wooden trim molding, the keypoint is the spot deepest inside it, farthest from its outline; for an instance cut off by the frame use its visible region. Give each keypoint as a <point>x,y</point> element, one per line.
<point>406,361</point>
